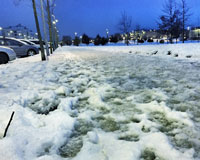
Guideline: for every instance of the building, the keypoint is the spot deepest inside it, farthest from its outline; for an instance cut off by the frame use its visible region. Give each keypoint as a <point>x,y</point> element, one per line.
<point>19,31</point>
<point>194,33</point>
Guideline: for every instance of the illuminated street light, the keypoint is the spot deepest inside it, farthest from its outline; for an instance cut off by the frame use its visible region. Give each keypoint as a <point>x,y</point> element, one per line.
<point>107,32</point>
<point>1,30</point>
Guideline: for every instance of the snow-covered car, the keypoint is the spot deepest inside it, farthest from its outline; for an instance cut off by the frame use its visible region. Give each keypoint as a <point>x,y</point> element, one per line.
<point>6,54</point>
<point>21,48</point>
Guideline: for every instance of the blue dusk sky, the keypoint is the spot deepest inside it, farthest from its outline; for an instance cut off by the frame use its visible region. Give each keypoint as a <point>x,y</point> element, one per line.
<point>92,16</point>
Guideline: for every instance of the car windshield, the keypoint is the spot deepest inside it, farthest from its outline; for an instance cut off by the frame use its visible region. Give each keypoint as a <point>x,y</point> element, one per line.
<point>36,42</point>
<point>27,42</point>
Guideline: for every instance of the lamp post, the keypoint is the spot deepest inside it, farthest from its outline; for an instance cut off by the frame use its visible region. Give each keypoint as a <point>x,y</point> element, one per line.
<point>10,33</point>
<point>1,30</point>
<point>36,35</point>
<point>75,34</point>
<point>44,28</point>
<point>3,34</point>
<point>55,31</point>
<point>107,33</point>
<point>188,29</point>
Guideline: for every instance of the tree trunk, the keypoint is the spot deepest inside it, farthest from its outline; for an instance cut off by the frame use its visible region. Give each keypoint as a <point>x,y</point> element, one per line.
<point>183,27</point>
<point>50,27</point>
<point>38,31</point>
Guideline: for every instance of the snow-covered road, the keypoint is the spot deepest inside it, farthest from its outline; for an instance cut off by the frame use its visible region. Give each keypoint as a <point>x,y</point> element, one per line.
<point>98,103</point>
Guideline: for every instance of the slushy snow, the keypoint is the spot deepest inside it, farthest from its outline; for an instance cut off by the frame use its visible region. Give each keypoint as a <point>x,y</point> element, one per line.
<point>103,103</point>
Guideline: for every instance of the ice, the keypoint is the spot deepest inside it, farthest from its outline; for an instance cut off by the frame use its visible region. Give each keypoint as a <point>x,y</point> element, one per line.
<point>62,91</point>
<point>103,103</point>
<point>93,137</point>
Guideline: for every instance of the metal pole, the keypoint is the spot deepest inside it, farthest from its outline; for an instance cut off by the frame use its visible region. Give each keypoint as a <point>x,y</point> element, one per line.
<point>44,28</point>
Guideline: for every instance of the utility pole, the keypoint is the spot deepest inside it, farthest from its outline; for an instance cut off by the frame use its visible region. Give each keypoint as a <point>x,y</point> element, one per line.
<point>50,27</point>
<point>44,28</point>
<point>38,30</point>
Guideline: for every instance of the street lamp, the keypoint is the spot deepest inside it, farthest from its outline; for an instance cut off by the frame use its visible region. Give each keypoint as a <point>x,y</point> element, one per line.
<point>75,34</point>
<point>36,35</point>
<point>1,30</point>
<point>19,34</point>
<point>55,31</point>
<point>107,32</point>
<point>10,33</point>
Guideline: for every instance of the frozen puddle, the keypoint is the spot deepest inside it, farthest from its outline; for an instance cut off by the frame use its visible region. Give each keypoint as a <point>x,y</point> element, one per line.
<point>113,106</point>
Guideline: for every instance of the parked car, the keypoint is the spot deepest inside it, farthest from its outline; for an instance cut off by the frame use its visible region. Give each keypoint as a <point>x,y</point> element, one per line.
<point>37,43</point>
<point>21,48</point>
<point>6,54</point>
<point>30,43</point>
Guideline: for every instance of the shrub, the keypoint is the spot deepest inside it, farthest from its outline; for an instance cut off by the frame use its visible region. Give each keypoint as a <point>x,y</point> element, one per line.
<point>67,40</point>
<point>76,41</point>
<point>162,41</point>
<point>114,39</point>
<point>104,41</point>
<point>97,40</point>
<point>140,41</point>
<point>150,40</point>
<point>85,39</point>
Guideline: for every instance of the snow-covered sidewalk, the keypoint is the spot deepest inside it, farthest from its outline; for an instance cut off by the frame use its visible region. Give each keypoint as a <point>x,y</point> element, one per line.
<point>103,103</point>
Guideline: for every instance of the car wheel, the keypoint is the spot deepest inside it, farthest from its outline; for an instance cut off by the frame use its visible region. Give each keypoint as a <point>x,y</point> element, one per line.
<point>3,58</point>
<point>31,52</point>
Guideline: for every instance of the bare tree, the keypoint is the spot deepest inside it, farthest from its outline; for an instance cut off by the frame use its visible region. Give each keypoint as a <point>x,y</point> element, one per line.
<point>185,13</point>
<point>125,24</point>
<point>170,20</point>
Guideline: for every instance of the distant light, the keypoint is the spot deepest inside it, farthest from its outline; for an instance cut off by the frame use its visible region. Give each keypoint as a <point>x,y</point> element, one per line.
<point>56,21</point>
<point>11,31</point>
<point>1,28</point>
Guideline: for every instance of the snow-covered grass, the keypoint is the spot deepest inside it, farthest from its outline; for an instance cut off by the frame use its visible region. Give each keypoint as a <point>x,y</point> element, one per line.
<point>112,102</point>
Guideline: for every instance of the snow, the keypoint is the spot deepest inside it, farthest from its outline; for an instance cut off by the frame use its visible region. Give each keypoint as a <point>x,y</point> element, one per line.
<point>103,103</point>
